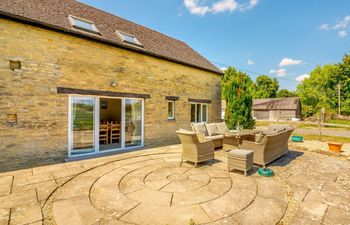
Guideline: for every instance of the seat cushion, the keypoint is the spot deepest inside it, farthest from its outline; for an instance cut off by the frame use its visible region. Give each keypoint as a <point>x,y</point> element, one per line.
<point>215,137</point>
<point>199,128</point>
<point>222,128</point>
<point>240,153</point>
<point>212,129</point>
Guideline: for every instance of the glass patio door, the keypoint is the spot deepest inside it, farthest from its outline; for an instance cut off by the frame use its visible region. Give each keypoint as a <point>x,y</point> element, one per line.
<point>82,125</point>
<point>84,129</point>
<point>133,122</point>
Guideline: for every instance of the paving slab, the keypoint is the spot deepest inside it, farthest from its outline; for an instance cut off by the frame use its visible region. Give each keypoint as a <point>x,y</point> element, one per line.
<point>76,210</point>
<point>4,216</point>
<point>335,216</point>
<point>5,185</point>
<point>17,199</point>
<point>26,214</point>
<point>150,215</point>
<point>22,180</point>
<point>310,212</point>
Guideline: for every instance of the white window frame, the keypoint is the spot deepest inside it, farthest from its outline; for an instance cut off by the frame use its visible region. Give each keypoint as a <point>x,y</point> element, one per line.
<point>200,120</point>
<point>173,110</point>
<point>72,22</point>
<point>121,36</point>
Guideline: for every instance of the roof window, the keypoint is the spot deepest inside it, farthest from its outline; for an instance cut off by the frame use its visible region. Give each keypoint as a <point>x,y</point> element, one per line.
<point>83,24</point>
<point>128,38</point>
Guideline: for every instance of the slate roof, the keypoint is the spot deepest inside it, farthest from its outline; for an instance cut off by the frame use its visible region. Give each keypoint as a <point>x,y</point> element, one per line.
<point>290,103</point>
<point>54,14</point>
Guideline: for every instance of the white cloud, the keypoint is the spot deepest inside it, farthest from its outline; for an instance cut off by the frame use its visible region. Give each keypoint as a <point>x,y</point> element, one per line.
<point>199,7</point>
<point>249,5</point>
<point>250,62</point>
<point>224,5</point>
<point>194,8</point>
<point>223,69</point>
<point>279,73</point>
<point>324,26</point>
<point>341,26</point>
<point>290,62</point>
<point>302,77</point>
<point>343,23</point>
<point>342,34</point>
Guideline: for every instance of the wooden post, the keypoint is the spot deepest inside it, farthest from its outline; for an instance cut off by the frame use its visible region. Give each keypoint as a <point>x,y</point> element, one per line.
<point>339,98</point>
<point>319,128</point>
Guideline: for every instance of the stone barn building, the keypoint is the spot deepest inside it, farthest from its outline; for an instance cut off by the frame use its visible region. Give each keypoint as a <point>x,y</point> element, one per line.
<point>274,109</point>
<point>76,81</point>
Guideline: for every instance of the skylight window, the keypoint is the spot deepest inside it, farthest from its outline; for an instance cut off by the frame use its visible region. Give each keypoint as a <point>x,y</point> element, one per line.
<point>128,38</point>
<point>83,24</point>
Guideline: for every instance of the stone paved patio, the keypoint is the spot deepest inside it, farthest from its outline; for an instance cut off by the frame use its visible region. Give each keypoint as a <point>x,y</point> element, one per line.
<point>150,187</point>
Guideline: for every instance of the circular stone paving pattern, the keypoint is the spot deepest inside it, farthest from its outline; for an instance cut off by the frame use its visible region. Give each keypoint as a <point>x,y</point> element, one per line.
<point>155,190</point>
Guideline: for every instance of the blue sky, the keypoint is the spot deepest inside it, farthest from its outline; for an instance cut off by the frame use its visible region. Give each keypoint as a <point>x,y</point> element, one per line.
<point>285,39</point>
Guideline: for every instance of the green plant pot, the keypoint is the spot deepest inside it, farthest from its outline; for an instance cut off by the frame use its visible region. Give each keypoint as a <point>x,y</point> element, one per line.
<point>297,139</point>
<point>265,172</point>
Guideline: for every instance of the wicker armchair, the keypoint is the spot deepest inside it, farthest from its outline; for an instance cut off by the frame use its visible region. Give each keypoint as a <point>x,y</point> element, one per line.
<point>195,148</point>
<point>270,147</point>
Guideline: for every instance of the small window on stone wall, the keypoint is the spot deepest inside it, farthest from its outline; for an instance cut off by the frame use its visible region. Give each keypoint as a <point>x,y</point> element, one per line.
<point>171,110</point>
<point>11,118</point>
<point>15,65</point>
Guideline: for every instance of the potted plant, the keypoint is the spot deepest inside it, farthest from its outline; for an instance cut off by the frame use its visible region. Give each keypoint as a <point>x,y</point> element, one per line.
<point>335,146</point>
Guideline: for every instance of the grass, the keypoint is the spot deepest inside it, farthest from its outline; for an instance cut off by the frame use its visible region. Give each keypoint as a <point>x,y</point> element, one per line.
<point>312,137</point>
<point>302,125</point>
<point>345,122</point>
<point>266,123</point>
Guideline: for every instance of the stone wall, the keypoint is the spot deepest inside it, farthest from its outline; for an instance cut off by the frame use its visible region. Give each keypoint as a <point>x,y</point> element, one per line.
<point>51,59</point>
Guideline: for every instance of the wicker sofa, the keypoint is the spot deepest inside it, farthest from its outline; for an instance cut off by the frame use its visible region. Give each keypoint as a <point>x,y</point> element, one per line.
<point>212,131</point>
<point>195,148</point>
<point>270,145</point>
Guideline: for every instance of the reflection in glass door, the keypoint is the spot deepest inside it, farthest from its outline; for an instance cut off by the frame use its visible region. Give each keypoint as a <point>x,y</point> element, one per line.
<point>82,125</point>
<point>133,122</point>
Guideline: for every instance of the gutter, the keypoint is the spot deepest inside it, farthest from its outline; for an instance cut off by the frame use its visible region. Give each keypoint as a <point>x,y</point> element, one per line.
<point>40,24</point>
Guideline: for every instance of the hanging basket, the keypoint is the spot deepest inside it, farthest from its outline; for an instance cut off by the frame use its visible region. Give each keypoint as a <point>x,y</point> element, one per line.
<point>265,172</point>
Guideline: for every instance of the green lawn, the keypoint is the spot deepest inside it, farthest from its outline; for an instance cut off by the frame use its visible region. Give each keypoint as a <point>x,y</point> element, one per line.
<point>345,122</point>
<point>302,124</point>
<point>312,137</point>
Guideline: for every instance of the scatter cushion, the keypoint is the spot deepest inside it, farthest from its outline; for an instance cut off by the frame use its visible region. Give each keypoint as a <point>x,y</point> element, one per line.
<point>199,128</point>
<point>222,128</point>
<point>212,129</point>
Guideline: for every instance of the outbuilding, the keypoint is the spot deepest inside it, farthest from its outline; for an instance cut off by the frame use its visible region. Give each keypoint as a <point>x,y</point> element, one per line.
<point>274,109</point>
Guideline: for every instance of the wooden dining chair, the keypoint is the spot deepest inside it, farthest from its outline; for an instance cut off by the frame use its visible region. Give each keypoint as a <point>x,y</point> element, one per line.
<point>114,132</point>
<point>104,133</point>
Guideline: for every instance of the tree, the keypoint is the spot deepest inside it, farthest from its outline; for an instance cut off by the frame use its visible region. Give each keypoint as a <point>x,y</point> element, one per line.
<point>237,91</point>
<point>319,90</point>
<point>286,93</point>
<point>344,80</point>
<point>265,87</point>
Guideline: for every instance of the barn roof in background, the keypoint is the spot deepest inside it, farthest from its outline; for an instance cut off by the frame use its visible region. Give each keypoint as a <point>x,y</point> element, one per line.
<point>290,103</point>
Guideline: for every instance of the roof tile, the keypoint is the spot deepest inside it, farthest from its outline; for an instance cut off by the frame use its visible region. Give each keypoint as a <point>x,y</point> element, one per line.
<point>55,13</point>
